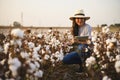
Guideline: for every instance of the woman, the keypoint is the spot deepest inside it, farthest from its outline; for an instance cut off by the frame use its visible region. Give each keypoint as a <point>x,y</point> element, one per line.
<point>79,28</point>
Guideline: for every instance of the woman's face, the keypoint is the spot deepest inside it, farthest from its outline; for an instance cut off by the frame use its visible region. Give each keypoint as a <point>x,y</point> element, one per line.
<point>80,21</point>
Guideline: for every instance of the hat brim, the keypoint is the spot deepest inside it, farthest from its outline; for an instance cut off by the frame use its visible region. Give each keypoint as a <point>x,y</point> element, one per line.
<point>85,17</point>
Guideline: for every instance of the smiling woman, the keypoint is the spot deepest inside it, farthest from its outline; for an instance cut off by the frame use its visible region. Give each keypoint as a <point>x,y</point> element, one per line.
<point>79,28</point>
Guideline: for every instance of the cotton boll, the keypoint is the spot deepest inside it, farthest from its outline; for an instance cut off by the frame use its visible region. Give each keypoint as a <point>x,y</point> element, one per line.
<point>95,50</point>
<point>104,66</point>
<point>108,41</point>
<point>43,51</point>
<point>94,33</point>
<point>39,35</point>
<point>14,70</point>
<point>53,65</point>
<point>33,37</point>
<point>37,64</point>
<point>118,42</point>
<point>110,46</point>
<point>37,48</point>
<point>12,42</point>
<point>10,55</point>
<point>117,66</point>
<point>32,67</point>
<point>1,49</point>
<point>6,47</point>
<point>118,49</point>
<point>105,29</point>
<point>47,47</point>
<point>103,72</point>
<point>31,45</point>
<point>7,74</point>
<point>38,73</point>
<point>19,42</point>
<point>46,57</point>
<point>14,64</point>
<point>16,42</point>
<point>57,54</point>
<point>52,60</point>
<point>86,49</point>
<point>35,55</point>
<point>90,61</point>
<point>49,30</point>
<point>17,33</point>
<point>57,42</point>
<point>111,59</point>
<point>113,40</point>
<point>108,54</point>
<point>3,61</point>
<point>24,55</point>
<point>96,45</point>
<point>25,41</point>
<point>61,56</point>
<point>94,39</point>
<point>106,78</point>
<point>118,57</point>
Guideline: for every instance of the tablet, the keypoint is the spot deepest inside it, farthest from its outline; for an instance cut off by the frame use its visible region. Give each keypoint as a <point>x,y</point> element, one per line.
<point>82,37</point>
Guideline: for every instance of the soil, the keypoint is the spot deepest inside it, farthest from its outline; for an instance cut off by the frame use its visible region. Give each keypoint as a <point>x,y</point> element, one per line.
<point>65,72</point>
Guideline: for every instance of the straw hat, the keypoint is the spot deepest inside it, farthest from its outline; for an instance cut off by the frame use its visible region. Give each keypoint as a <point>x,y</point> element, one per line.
<point>79,14</point>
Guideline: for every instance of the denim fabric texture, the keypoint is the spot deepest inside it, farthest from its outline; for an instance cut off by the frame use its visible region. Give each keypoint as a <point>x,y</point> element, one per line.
<point>78,56</point>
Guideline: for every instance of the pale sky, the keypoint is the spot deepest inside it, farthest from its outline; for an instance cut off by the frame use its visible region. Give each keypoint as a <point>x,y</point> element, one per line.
<point>57,12</point>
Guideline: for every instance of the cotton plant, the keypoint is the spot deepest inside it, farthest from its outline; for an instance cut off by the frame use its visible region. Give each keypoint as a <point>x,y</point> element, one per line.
<point>50,47</point>
<point>14,64</point>
<point>105,50</point>
<point>33,67</point>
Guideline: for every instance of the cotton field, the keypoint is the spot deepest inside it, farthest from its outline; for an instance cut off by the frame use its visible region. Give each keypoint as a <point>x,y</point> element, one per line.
<point>26,56</point>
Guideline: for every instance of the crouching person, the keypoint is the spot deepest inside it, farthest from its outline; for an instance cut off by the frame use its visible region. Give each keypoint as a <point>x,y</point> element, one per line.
<point>81,35</point>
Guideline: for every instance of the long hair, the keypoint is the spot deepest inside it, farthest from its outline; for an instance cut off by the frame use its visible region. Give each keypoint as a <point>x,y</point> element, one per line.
<point>75,29</point>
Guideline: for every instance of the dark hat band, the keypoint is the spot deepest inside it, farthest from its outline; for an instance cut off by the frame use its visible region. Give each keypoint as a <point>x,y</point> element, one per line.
<point>79,14</point>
